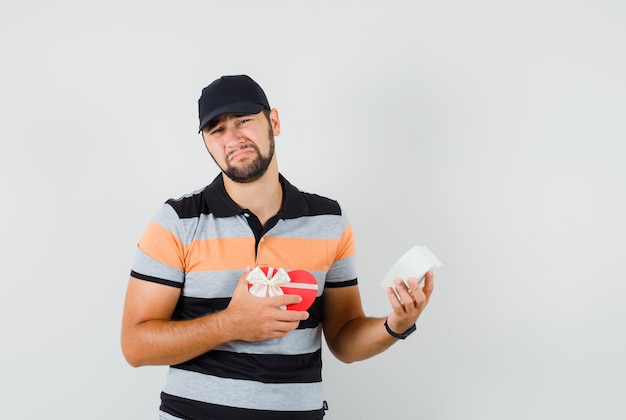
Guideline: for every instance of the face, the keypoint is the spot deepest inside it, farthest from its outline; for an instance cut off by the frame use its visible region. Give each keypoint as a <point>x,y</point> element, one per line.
<point>242,145</point>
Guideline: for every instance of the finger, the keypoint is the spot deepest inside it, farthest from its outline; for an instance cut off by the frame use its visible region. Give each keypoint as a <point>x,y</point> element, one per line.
<point>403,290</point>
<point>292,316</point>
<point>243,284</point>
<point>244,277</point>
<point>429,284</point>
<point>284,300</point>
<point>396,305</point>
<point>282,328</point>
<point>414,289</point>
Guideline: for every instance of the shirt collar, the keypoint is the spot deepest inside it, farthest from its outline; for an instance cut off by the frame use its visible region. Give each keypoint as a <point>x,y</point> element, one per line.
<point>222,205</point>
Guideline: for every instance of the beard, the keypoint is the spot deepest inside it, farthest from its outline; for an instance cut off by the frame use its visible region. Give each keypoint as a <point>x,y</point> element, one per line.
<point>253,170</point>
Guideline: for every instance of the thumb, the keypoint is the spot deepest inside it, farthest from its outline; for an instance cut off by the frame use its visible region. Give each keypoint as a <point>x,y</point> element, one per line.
<point>244,277</point>
<point>243,280</point>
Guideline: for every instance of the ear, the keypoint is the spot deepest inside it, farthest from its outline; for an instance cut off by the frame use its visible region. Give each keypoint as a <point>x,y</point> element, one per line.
<point>275,121</point>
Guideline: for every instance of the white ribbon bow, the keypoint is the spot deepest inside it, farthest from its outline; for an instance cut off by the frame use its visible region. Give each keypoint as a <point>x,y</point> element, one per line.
<point>267,285</point>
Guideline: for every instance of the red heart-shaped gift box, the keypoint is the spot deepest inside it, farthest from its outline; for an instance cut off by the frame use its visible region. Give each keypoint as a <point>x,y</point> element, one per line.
<point>302,283</point>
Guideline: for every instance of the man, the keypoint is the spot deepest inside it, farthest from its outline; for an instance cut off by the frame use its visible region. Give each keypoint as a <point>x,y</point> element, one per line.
<point>234,355</point>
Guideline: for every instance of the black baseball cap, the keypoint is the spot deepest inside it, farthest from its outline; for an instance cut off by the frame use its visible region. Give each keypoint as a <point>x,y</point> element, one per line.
<point>230,94</point>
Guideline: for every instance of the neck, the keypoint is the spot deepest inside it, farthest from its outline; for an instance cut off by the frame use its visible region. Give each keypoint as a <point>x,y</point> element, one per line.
<point>262,197</point>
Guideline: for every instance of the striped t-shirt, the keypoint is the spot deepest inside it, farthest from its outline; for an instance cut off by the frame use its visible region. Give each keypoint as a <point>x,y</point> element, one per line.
<point>202,243</point>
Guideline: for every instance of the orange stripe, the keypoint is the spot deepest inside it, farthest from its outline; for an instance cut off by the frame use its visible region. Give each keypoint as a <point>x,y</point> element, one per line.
<point>346,244</point>
<point>220,254</point>
<point>298,254</point>
<point>237,253</point>
<point>162,245</point>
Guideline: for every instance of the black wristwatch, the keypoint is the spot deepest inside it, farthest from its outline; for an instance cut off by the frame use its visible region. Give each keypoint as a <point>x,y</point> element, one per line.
<point>400,336</point>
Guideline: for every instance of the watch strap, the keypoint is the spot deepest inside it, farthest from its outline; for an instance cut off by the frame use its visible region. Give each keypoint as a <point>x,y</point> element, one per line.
<point>400,336</point>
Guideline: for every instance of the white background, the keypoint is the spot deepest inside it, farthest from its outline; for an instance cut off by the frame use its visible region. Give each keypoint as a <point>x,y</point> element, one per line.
<point>493,132</point>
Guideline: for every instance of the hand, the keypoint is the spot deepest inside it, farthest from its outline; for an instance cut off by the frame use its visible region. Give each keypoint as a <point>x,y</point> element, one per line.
<point>409,302</point>
<point>254,318</point>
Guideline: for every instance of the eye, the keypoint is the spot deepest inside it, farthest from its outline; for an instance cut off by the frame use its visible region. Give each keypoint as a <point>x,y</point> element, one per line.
<point>243,121</point>
<point>215,131</point>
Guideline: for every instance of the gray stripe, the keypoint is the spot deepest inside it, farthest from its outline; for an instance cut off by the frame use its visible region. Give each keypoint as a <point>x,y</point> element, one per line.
<point>205,226</point>
<point>342,270</point>
<point>166,416</point>
<point>320,277</point>
<point>295,342</point>
<point>310,227</point>
<point>150,267</point>
<point>211,284</point>
<point>243,394</point>
<point>167,217</point>
<point>211,227</point>
<point>219,284</point>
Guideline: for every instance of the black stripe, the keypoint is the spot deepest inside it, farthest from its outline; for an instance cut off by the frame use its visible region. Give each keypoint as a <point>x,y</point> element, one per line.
<point>320,206</point>
<point>196,410</point>
<point>298,203</point>
<point>191,308</point>
<point>266,368</point>
<point>315,314</point>
<point>156,280</point>
<point>341,284</point>
<point>188,207</point>
<point>213,199</point>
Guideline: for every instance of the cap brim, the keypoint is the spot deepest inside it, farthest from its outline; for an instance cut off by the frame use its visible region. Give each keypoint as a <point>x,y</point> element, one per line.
<point>235,108</point>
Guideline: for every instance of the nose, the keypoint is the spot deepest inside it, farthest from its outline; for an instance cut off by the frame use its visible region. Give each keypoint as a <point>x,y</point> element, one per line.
<point>232,137</point>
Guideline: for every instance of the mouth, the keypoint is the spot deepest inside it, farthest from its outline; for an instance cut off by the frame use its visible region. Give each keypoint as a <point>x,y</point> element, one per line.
<point>240,153</point>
